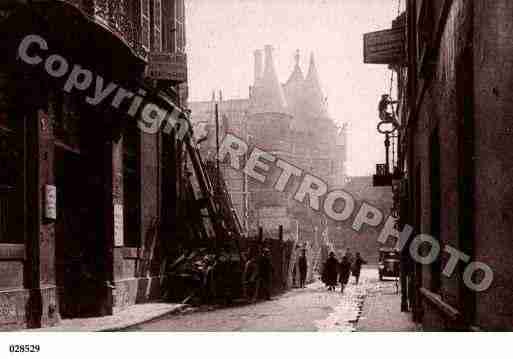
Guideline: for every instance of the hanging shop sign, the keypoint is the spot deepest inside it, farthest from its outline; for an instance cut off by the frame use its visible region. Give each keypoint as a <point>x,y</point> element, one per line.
<point>386,47</point>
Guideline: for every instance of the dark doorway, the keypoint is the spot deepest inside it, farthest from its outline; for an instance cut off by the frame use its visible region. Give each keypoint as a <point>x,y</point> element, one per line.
<point>80,257</point>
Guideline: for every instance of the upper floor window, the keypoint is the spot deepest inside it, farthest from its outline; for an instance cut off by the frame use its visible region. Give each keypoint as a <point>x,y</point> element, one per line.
<point>157,25</point>
<point>180,25</point>
<point>145,24</point>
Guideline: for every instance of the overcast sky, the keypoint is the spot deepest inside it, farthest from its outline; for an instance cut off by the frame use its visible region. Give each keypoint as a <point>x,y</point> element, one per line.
<point>222,35</point>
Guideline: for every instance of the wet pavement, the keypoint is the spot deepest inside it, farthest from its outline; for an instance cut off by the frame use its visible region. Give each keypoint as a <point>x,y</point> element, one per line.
<point>309,309</point>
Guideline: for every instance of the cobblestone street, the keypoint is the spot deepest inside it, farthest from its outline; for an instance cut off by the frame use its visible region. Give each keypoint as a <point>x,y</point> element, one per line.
<point>309,309</point>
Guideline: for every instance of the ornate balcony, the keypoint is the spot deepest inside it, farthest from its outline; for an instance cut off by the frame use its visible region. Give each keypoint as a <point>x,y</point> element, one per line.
<point>168,66</point>
<point>115,16</point>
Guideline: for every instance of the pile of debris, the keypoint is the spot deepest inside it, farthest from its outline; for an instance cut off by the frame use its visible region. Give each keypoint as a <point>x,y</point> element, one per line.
<point>203,277</point>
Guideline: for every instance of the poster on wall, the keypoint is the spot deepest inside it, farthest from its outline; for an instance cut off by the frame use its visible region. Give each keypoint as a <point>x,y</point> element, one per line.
<point>50,202</point>
<point>118,225</point>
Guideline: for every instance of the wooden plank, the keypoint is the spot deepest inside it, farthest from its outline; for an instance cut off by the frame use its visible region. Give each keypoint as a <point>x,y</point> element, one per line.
<point>444,307</point>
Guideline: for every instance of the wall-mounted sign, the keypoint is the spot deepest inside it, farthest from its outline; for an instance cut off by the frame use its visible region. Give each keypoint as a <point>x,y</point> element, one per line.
<point>168,66</point>
<point>118,225</point>
<point>50,202</point>
<point>386,47</point>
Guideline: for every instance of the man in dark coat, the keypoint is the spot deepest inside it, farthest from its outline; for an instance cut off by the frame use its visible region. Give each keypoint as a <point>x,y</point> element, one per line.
<point>265,271</point>
<point>349,256</point>
<point>345,271</point>
<point>251,278</point>
<point>331,271</point>
<point>303,268</point>
<point>357,266</point>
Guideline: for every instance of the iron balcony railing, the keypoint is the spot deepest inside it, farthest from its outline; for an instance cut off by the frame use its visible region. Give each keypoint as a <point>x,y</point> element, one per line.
<point>117,17</point>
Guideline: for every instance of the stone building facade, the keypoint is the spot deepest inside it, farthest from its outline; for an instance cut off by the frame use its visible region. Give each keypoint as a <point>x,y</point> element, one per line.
<point>290,121</point>
<point>456,145</point>
<point>88,202</point>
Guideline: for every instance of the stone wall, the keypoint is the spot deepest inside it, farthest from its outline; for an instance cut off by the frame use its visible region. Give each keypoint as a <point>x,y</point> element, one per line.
<point>493,69</point>
<point>467,105</point>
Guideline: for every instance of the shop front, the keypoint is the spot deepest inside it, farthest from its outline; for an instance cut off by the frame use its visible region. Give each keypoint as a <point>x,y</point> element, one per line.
<point>61,173</point>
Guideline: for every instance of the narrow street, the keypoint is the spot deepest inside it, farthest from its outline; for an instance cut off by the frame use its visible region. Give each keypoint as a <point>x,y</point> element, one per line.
<point>309,309</point>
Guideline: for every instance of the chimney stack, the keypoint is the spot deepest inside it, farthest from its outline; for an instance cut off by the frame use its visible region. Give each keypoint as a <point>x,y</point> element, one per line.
<point>259,66</point>
<point>269,61</point>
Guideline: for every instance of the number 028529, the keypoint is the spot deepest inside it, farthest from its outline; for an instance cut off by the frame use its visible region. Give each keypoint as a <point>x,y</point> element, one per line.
<point>24,348</point>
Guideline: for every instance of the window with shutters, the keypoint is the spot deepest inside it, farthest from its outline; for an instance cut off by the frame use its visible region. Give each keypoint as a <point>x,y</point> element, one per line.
<point>145,24</point>
<point>157,25</point>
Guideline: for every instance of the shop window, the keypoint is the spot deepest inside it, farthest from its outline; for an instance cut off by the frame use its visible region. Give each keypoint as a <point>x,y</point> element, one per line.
<point>11,202</point>
<point>131,187</point>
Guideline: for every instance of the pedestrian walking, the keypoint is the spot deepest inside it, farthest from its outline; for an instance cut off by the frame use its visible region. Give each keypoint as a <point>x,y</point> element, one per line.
<point>349,256</point>
<point>265,271</point>
<point>357,266</point>
<point>344,273</point>
<point>330,272</point>
<point>251,278</point>
<point>303,268</point>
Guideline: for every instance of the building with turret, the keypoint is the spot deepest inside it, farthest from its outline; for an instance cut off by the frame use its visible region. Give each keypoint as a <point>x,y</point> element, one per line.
<point>291,121</point>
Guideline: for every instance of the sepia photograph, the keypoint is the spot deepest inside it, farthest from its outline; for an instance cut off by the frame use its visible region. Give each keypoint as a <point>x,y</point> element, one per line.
<point>214,166</point>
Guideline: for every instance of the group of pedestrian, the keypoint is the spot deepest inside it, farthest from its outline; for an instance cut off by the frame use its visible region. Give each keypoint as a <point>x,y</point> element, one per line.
<point>335,272</point>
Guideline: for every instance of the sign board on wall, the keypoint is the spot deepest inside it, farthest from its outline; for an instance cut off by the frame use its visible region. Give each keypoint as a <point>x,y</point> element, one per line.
<point>168,66</point>
<point>386,47</point>
<point>118,225</point>
<point>50,202</point>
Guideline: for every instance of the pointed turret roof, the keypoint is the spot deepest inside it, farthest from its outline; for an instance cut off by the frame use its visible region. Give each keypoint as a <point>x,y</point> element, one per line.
<point>297,76</point>
<point>294,88</point>
<point>313,91</point>
<point>268,95</point>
